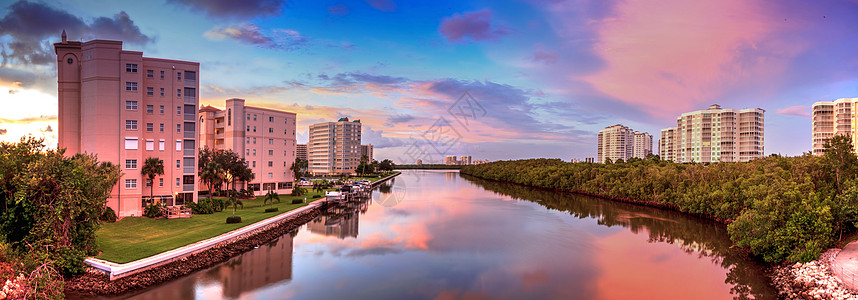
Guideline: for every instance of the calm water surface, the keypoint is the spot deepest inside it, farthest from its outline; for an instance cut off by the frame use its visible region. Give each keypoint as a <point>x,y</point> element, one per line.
<point>437,235</point>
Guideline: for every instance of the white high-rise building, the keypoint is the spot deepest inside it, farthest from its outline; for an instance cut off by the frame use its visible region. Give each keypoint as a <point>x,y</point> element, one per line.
<point>833,117</point>
<point>334,147</point>
<point>715,134</point>
<point>620,142</point>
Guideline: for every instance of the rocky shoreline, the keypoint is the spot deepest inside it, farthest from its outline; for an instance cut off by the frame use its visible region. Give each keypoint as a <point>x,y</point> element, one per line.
<point>98,283</point>
<point>812,280</point>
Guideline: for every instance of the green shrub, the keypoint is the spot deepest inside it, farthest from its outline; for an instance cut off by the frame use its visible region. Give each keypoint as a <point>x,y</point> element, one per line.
<point>108,215</point>
<point>202,207</point>
<point>218,204</point>
<point>272,209</point>
<point>317,196</point>
<point>153,211</point>
<point>297,201</point>
<point>298,191</point>
<point>233,220</point>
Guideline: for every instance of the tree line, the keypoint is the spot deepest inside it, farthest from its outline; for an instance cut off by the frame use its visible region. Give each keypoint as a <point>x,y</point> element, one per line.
<point>781,208</point>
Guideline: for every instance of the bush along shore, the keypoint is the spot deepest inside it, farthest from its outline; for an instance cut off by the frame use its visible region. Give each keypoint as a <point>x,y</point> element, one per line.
<point>97,283</point>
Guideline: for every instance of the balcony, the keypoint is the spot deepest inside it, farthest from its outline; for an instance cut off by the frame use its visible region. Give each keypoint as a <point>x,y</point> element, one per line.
<point>187,187</point>
<point>190,99</point>
<point>219,136</point>
<point>190,117</point>
<point>190,152</point>
<point>190,134</point>
<point>188,169</point>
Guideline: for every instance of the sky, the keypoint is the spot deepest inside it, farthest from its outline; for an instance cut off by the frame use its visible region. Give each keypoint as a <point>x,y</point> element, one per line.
<point>490,79</point>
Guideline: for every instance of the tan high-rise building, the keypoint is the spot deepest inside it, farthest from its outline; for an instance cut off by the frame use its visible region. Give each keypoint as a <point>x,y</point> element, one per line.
<point>667,143</point>
<point>334,147</point>
<point>125,108</point>
<point>265,138</point>
<point>716,134</point>
<point>367,150</point>
<point>451,160</point>
<point>465,160</point>
<point>620,142</point>
<point>831,118</point>
<point>642,144</point>
<point>301,151</point>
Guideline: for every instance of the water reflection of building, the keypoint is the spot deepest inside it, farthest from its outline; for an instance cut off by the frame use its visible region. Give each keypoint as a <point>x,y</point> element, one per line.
<point>340,225</point>
<point>255,269</point>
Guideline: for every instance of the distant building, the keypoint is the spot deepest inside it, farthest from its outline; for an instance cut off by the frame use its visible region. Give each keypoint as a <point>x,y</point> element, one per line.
<point>642,145</point>
<point>620,142</point>
<point>419,162</point>
<point>716,134</point>
<point>831,118</point>
<point>334,147</point>
<point>301,151</point>
<point>575,160</point>
<point>265,138</point>
<point>589,160</point>
<point>451,160</point>
<point>366,150</point>
<point>666,144</point>
<point>465,160</point>
<point>125,108</point>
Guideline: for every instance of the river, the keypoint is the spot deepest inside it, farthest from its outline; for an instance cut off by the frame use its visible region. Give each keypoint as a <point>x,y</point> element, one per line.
<point>437,235</point>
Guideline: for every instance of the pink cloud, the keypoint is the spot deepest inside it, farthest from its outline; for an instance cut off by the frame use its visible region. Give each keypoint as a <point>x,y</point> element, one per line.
<point>798,111</point>
<point>540,54</point>
<point>383,5</point>
<point>670,56</point>
<point>474,26</point>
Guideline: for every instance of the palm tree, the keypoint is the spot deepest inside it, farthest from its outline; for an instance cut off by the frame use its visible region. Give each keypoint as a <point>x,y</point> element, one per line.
<point>270,197</point>
<point>152,168</point>
<point>233,200</point>
<point>297,168</point>
<point>211,174</point>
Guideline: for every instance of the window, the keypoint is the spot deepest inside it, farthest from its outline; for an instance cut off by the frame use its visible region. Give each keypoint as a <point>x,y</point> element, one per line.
<point>178,110</point>
<point>150,145</point>
<point>130,183</point>
<point>270,163</point>
<point>131,143</point>
<point>131,164</point>
<point>150,109</point>
<point>162,92</point>
<point>284,154</point>
<point>271,141</point>
<point>248,140</point>
<point>254,152</point>
<point>131,68</point>
<point>162,74</point>
<point>178,128</point>
<point>178,145</point>
<point>254,141</point>
<point>248,128</point>
<point>270,175</point>
<point>270,152</point>
<point>178,182</point>
<point>254,128</point>
<point>178,164</point>
<point>247,152</point>
<point>148,182</point>
<point>150,74</point>
<point>179,75</point>
<point>254,164</point>
<point>161,145</point>
<point>270,119</point>
<point>254,117</point>
<point>161,127</point>
<point>150,91</point>
<point>160,181</point>
<point>284,163</point>
<point>131,105</point>
<point>248,117</point>
<point>229,116</point>
<point>178,92</point>
<point>190,92</point>
<point>161,109</point>
<point>130,86</point>
<point>270,130</point>
<point>150,127</point>
<point>190,75</point>
<point>130,124</point>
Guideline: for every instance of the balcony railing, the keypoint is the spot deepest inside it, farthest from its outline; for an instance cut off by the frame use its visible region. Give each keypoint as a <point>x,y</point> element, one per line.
<point>187,187</point>
<point>190,134</point>
<point>190,100</point>
<point>190,152</point>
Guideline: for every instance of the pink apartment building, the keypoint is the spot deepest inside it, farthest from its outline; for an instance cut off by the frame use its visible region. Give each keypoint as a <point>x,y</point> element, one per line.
<point>125,108</point>
<point>264,137</point>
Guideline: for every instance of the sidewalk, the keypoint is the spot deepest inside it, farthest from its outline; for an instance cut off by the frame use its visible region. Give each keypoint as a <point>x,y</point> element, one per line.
<point>845,266</point>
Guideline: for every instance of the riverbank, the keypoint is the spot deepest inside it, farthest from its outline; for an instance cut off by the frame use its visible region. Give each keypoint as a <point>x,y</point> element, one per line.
<point>98,283</point>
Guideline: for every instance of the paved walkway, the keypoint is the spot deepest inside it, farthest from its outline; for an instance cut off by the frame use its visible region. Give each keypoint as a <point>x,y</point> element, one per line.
<point>845,266</point>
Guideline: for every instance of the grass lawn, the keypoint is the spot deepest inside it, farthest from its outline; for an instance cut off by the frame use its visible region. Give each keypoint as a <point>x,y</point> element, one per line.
<point>373,178</point>
<point>134,238</point>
